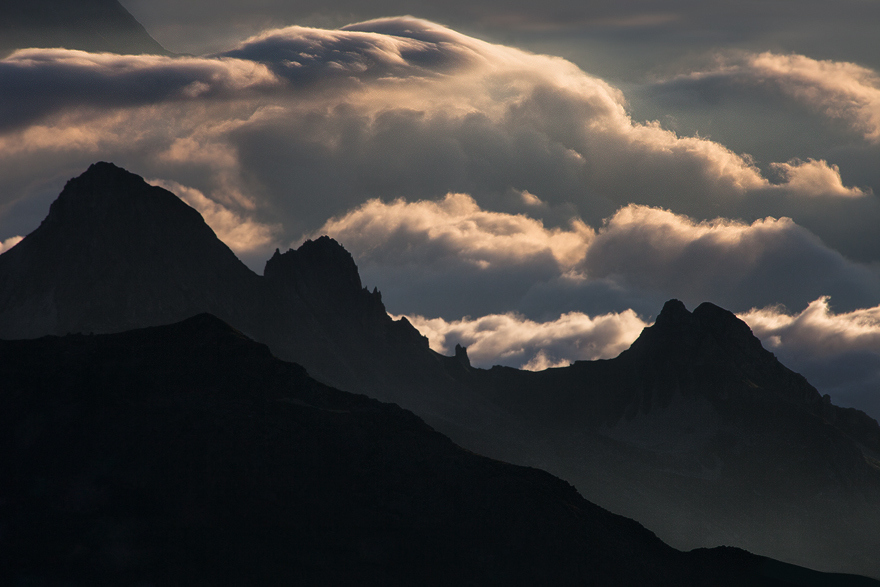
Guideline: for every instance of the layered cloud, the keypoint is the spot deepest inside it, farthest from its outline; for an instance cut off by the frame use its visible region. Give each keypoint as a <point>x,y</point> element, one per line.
<point>40,82</point>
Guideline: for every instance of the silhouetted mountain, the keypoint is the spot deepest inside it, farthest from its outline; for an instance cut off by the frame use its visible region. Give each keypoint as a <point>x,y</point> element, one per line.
<point>187,454</point>
<point>702,435</point>
<point>115,253</point>
<point>696,431</point>
<point>89,25</point>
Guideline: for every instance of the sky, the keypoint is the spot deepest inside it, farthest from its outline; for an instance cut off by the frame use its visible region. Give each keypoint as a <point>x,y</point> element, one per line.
<point>530,180</point>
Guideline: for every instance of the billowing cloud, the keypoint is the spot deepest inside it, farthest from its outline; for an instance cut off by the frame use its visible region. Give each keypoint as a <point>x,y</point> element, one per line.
<point>427,232</point>
<point>510,339</point>
<point>814,178</point>
<point>308,123</point>
<point>733,263</point>
<point>638,248</point>
<point>817,330</point>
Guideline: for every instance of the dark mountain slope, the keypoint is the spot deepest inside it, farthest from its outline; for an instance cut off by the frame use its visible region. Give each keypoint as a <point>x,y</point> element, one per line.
<point>696,431</point>
<point>115,253</point>
<point>89,25</point>
<point>701,434</point>
<point>187,454</point>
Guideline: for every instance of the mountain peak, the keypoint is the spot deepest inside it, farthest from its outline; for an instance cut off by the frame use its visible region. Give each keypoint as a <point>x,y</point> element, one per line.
<point>322,259</point>
<point>115,253</point>
<point>674,313</point>
<point>706,323</point>
<point>108,193</point>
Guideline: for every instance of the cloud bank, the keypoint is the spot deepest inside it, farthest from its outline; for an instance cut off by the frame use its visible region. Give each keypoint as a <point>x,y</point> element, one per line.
<point>511,339</point>
<point>641,248</point>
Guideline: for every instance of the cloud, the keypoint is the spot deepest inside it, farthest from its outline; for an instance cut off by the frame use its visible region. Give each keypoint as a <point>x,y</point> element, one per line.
<point>733,263</point>
<point>839,352</point>
<point>839,90</point>
<point>7,244</point>
<point>438,245</point>
<point>426,232</point>
<point>813,178</point>
<point>380,49</point>
<point>240,233</point>
<point>372,125</point>
<point>316,121</point>
<point>817,330</point>
<point>511,339</point>
<point>39,82</point>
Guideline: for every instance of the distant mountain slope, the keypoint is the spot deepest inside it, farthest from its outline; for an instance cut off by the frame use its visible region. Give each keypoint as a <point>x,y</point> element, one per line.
<point>187,454</point>
<point>702,435</point>
<point>695,431</point>
<point>89,25</point>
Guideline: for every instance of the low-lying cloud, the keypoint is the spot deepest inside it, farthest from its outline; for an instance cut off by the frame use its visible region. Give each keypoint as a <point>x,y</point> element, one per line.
<point>838,352</point>
<point>513,340</point>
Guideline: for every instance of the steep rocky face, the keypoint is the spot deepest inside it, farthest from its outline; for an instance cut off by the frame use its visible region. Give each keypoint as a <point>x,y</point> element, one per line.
<point>318,285</point>
<point>187,454</point>
<point>88,25</point>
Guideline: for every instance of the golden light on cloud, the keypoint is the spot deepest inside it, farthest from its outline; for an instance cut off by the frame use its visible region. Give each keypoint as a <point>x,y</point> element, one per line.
<point>532,345</point>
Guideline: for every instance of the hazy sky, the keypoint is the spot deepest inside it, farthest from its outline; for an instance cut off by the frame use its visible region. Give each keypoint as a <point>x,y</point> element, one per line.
<point>532,180</point>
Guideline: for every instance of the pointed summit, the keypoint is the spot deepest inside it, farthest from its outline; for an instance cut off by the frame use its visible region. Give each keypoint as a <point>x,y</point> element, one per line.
<point>115,253</point>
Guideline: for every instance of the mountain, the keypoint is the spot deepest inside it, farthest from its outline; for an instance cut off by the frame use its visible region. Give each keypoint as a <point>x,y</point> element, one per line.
<point>88,25</point>
<point>115,253</point>
<point>696,431</point>
<point>704,436</point>
<point>188,454</point>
